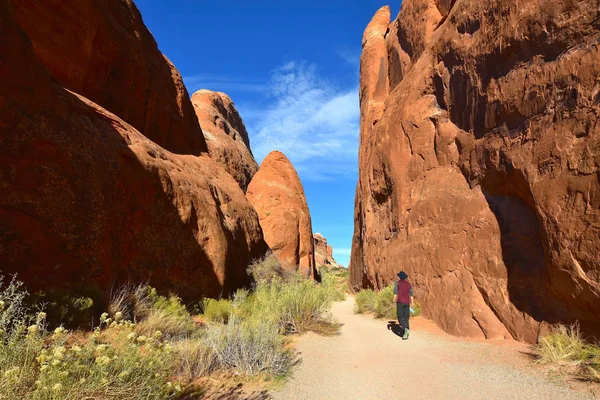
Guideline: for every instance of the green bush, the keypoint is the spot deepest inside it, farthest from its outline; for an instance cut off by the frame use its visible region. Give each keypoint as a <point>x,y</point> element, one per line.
<point>148,345</point>
<point>380,303</point>
<point>365,301</point>
<point>110,364</point>
<point>217,310</point>
<point>384,303</point>
<point>417,309</point>
<point>77,307</point>
<point>294,307</point>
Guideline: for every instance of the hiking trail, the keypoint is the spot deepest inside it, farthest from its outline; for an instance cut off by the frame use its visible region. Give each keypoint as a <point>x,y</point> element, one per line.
<point>368,361</point>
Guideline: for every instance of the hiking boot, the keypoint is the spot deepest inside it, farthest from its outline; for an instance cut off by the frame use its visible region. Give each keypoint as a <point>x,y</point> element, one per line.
<point>406,333</point>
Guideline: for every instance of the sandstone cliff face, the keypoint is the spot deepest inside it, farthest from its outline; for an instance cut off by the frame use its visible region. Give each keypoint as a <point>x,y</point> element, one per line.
<point>225,134</point>
<point>85,198</point>
<point>103,51</point>
<point>479,155</point>
<point>278,196</point>
<point>323,252</point>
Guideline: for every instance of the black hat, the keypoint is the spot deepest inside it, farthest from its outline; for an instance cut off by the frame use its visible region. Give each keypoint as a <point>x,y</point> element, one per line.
<point>402,275</point>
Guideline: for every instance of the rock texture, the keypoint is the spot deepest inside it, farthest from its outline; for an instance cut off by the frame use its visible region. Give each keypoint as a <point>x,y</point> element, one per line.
<point>278,196</point>
<point>103,51</point>
<point>323,252</point>
<point>86,199</point>
<point>479,155</point>
<point>225,134</point>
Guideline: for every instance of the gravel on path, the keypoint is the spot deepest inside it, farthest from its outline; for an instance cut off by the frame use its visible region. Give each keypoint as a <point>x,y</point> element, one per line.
<point>368,361</point>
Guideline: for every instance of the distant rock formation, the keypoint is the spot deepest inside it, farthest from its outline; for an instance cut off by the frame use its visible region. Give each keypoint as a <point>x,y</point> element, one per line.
<point>85,197</point>
<point>102,50</point>
<point>478,162</point>
<point>225,135</point>
<point>323,252</point>
<point>278,196</point>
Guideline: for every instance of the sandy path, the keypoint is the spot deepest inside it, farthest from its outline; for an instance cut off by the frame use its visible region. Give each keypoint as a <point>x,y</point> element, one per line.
<point>367,361</point>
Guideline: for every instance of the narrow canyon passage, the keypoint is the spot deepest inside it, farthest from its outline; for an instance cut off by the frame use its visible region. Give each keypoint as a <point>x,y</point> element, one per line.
<point>366,361</point>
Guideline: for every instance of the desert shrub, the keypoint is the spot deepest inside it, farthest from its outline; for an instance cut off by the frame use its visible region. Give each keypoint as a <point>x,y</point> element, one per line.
<point>112,366</point>
<point>19,340</point>
<point>384,305</point>
<point>73,308</point>
<point>151,312</point>
<point>267,269</point>
<point>365,301</point>
<point>591,370</point>
<point>294,307</point>
<point>109,364</point>
<point>564,344</point>
<point>134,302</point>
<point>380,303</point>
<point>332,284</point>
<point>417,309</point>
<point>193,359</point>
<point>217,310</point>
<point>172,326</point>
<point>252,347</point>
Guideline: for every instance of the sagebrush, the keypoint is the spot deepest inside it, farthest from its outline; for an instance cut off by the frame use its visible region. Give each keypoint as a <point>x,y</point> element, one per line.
<point>149,346</point>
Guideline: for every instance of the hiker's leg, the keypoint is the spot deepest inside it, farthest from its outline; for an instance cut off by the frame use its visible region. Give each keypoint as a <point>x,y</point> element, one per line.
<point>399,313</point>
<point>404,311</point>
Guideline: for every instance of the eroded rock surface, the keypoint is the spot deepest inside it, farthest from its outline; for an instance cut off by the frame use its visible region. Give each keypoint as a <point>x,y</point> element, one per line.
<point>478,162</point>
<point>225,135</point>
<point>103,51</point>
<point>86,199</point>
<point>278,196</point>
<point>323,252</point>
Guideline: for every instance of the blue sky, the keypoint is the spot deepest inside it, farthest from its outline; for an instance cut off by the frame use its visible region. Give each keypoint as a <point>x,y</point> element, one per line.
<point>292,70</point>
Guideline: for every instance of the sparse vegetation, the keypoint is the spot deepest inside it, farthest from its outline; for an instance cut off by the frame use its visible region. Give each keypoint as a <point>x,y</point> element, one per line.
<point>365,301</point>
<point>379,303</point>
<point>565,346</point>
<point>149,346</point>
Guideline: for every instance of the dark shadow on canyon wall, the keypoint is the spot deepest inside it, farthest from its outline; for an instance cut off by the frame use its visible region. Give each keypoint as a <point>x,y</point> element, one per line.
<point>80,208</point>
<point>522,241</point>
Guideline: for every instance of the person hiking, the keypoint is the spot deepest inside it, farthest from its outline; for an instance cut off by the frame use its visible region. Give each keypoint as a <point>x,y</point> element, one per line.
<point>404,299</point>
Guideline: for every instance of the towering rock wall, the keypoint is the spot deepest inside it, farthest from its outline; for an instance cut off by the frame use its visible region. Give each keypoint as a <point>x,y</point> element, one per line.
<point>103,51</point>
<point>86,199</point>
<point>278,196</point>
<point>225,134</point>
<point>478,161</point>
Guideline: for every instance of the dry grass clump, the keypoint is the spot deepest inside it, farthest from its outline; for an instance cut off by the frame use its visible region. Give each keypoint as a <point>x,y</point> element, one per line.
<point>565,346</point>
<point>250,347</point>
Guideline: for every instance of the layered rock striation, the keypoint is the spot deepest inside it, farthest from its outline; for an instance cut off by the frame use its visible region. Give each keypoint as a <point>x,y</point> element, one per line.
<point>478,162</point>
<point>85,197</point>
<point>225,134</point>
<point>278,196</point>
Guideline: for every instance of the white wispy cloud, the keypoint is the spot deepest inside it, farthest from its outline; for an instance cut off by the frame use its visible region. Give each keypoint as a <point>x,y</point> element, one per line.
<point>223,83</point>
<point>314,121</point>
